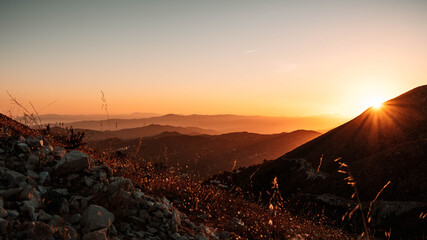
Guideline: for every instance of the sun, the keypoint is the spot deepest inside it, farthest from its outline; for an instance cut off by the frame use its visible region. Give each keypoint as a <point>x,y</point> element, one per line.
<point>376,102</point>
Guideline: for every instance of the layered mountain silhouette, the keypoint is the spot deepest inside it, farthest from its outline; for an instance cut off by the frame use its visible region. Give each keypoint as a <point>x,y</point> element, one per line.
<point>210,154</point>
<point>220,123</point>
<point>133,133</point>
<point>380,145</point>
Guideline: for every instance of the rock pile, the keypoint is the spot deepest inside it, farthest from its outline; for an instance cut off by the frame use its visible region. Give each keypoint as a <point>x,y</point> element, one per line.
<point>49,193</point>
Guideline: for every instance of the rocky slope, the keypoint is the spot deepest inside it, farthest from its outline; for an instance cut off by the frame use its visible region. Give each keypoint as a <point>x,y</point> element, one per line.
<point>49,193</point>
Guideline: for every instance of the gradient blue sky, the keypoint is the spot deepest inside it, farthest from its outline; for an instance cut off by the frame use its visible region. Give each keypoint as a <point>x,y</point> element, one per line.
<point>287,58</point>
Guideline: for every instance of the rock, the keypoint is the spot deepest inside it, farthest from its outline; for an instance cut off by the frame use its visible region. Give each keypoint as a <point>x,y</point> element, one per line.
<point>120,184</point>
<point>14,177</point>
<point>89,181</point>
<point>30,207</point>
<point>72,162</point>
<point>43,216</point>
<point>40,230</point>
<point>61,191</point>
<point>42,189</point>
<point>176,219</point>
<point>10,192</point>
<point>43,177</point>
<point>67,233</point>
<point>12,213</point>
<point>59,152</point>
<point>34,143</point>
<point>201,237</point>
<point>46,150</point>
<point>3,226</point>
<point>76,218</point>
<point>97,235</point>
<point>96,217</point>
<point>32,174</point>
<point>3,212</point>
<point>2,151</point>
<point>23,147</point>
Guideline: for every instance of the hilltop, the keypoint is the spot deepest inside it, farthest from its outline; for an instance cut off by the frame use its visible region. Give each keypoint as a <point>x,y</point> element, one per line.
<point>380,145</point>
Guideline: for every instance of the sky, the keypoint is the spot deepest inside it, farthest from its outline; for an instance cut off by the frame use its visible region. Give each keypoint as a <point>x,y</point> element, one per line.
<point>273,58</point>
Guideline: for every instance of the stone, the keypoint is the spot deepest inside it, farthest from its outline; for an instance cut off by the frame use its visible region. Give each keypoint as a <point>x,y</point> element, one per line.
<point>3,212</point>
<point>59,152</point>
<point>72,162</point>
<point>43,177</point>
<point>121,184</point>
<point>96,235</point>
<point>32,174</point>
<point>34,143</point>
<point>23,147</point>
<point>89,181</point>
<point>96,217</point>
<point>10,192</point>
<point>76,218</point>
<point>30,207</point>
<point>43,216</point>
<point>61,191</point>
<point>12,213</point>
<point>67,233</point>
<point>40,230</point>
<point>42,189</point>
<point>46,150</point>
<point>3,226</point>
<point>15,177</point>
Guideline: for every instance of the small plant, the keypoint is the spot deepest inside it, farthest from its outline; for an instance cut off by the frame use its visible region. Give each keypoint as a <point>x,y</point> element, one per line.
<point>345,169</point>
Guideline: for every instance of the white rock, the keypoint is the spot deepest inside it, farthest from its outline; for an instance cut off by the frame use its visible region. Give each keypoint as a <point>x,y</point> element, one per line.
<point>96,217</point>
<point>72,162</point>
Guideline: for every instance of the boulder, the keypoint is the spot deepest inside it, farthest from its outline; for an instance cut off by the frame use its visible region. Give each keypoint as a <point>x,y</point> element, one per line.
<point>96,235</point>
<point>14,177</point>
<point>34,143</point>
<point>72,162</point>
<point>23,147</point>
<point>96,217</point>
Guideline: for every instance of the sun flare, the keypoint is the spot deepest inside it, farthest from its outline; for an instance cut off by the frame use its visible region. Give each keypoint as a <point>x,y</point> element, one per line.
<point>376,102</point>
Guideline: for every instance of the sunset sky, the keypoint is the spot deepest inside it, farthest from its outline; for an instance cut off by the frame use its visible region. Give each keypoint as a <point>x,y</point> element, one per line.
<point>275,58</point>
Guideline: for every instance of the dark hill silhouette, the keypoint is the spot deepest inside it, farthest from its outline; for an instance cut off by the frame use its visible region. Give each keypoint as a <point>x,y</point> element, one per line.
<point>378,145</point>
<point>206,154</point>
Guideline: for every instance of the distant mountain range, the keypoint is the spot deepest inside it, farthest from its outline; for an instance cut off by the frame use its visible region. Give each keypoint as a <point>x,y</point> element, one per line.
<point>55,118</point>
<point>220,123</point>
<point>133,133</point>
<point>205,154</point>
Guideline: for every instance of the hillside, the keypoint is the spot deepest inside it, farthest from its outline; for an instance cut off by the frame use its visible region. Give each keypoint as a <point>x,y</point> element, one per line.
<point>51,193</point>
<point>221,123</point>
<point>206,155</point>
<point>380,145</point>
